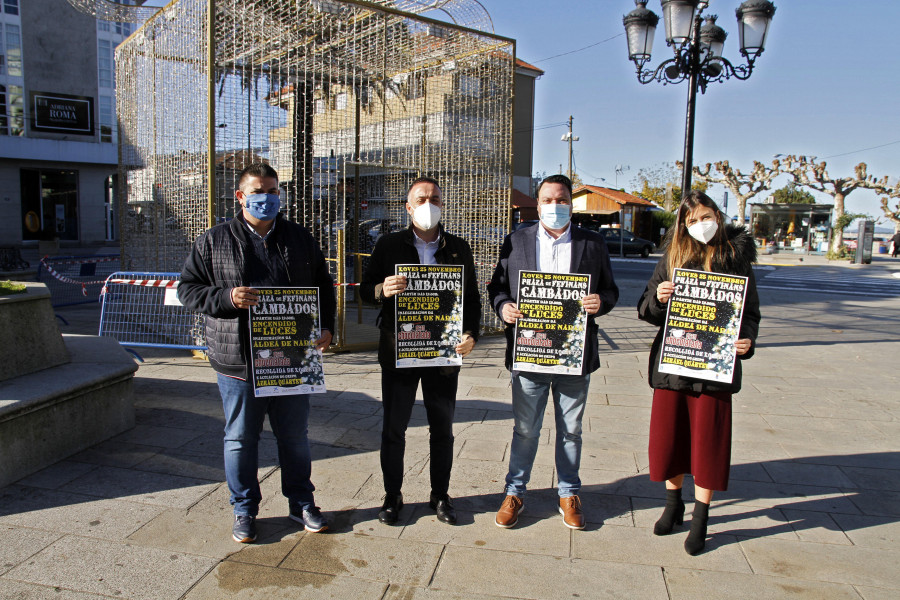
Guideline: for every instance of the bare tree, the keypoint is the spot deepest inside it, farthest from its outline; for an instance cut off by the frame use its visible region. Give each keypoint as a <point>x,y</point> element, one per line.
<point>889,192</point>
<point>891,215</point>
<point>813,175</point>
<point>743,185</point>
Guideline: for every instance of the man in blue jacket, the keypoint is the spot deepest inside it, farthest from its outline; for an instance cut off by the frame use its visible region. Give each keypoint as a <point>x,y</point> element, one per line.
<point>258,248</point>
<point>553,245</point>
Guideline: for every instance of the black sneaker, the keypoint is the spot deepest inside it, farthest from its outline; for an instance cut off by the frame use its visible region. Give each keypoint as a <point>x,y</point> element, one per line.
<point>311,518</point>
<point>244,529</point>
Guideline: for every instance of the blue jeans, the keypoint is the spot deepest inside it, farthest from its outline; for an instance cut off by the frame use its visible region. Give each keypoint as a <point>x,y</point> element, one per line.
<point>529,398</point>
<point>244,417</point>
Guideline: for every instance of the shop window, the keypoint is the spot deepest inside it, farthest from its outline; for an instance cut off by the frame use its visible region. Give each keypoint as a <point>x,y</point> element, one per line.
<point>49,204</point>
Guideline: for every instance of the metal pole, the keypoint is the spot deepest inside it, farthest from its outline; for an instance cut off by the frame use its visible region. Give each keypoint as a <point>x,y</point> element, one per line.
<point>570,147</point>
<point>693,83</point>
<point>211,109</point>
<point>622,230</point>
<point>341,291</point>
<point>357,258</point>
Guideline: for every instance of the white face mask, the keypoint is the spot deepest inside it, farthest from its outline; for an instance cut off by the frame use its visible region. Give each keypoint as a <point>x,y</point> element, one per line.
<point>427,215</point>
<point>703,231</point>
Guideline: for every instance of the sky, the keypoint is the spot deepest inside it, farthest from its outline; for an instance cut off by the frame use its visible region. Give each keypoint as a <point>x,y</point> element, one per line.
<point>827,85</point>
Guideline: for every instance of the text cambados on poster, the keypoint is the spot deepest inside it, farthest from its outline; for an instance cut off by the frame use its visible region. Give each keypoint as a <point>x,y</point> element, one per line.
<point>549,338</point>
<point>284,328</point>
<point>429,315</point>
<point>703,321</point>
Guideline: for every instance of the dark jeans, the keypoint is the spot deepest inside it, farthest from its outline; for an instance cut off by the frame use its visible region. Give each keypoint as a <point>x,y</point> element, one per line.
<point>398,387</point>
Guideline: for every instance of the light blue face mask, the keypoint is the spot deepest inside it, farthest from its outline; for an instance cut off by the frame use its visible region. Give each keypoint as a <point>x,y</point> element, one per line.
<point>264,207</point>
<point>555,216</point>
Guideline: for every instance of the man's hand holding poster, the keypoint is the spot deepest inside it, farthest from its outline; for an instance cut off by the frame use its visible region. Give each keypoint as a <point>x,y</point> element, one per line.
<point>429,315</point>
<point>549,338</point>
<point>703,321</point>
<point>284,328</point>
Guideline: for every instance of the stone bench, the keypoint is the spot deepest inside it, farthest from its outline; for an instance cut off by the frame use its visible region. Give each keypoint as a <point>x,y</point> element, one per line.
<point>58,394</point>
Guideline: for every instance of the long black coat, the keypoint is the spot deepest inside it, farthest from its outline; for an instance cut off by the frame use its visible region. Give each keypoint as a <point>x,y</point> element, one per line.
<point>589,256</point>
<point>653,311</point>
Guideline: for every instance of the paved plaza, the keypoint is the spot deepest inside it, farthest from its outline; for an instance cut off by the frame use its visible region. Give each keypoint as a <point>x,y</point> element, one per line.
<point>813,509</point>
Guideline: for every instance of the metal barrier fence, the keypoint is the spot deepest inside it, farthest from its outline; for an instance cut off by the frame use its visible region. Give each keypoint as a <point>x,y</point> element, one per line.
<point>140,310</point>
<point>75,279</point>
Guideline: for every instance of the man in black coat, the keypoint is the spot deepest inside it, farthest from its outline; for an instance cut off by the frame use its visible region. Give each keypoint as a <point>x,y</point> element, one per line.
<point>258,248</point>
<point>553,245</point>
<point>424,242</point>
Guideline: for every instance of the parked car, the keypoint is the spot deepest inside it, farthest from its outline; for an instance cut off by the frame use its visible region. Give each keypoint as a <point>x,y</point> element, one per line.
<point>631,244</point>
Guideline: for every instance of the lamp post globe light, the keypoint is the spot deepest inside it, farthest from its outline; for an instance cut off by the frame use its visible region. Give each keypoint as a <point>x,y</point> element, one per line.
<point>698,51</point>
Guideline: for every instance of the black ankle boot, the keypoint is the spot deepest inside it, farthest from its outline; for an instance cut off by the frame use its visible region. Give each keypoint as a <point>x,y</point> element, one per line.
<point>696,539</point>
<point>672,515</point>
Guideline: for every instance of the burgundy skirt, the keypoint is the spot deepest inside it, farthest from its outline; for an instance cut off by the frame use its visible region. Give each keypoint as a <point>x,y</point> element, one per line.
<point>691,433</point>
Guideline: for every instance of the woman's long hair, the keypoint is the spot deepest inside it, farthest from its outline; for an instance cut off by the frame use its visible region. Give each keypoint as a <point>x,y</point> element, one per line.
<point>682,249</point>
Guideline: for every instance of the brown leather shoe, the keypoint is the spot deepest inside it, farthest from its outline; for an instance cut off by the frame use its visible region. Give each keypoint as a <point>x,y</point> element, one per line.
<point>508,515</point>
<point>570,509</point>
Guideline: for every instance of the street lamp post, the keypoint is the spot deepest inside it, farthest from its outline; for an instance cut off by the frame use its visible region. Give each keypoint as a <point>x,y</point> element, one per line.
<point>698,51</point>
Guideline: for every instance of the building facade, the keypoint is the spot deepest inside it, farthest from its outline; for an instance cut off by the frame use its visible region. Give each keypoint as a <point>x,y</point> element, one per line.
<point>58,153</point>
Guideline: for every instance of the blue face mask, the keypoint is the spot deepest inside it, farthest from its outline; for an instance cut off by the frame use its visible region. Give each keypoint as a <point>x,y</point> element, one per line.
<point>262,206</point>
<point>555,216</point>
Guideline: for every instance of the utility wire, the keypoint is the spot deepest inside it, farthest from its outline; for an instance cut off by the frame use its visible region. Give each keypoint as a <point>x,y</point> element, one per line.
<point>579,49</point>
<point>540,127</point>
<point>863,149</point>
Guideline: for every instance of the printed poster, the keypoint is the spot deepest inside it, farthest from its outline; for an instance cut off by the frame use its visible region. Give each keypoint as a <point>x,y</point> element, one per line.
<point>429,315</point>
<point>703,321</point>
<point>284,327</point>
<point>550,337</point>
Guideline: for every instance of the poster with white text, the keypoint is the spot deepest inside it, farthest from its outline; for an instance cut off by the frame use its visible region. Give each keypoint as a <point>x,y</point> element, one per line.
<point>550,337</point>
<point>703,321</point>
<point>429,316</point>
<point>284,327</point>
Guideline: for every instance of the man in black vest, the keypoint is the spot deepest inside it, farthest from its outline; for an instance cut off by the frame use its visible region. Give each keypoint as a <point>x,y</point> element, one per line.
<point>424,242</point>
<point>258,248</point>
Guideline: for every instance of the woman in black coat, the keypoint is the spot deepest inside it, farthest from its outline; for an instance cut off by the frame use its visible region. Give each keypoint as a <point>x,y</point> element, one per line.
<point>690,422</point>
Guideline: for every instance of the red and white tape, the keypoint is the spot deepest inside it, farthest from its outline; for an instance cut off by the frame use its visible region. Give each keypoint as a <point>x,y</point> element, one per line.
<point>158,283</point>
<point>65,279</point>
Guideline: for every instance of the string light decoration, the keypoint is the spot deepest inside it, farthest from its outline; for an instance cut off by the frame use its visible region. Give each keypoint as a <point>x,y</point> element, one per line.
<point>349,101</point>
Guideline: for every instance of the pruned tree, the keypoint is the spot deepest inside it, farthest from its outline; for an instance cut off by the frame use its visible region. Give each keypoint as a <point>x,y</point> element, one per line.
<point>888,192</point>
<point>891,215</point>
<point>813,175</point>
<point>743,185</point>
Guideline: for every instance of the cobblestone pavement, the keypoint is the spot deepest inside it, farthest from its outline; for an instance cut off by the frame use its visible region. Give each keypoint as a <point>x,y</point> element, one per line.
<point>813,509</point>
